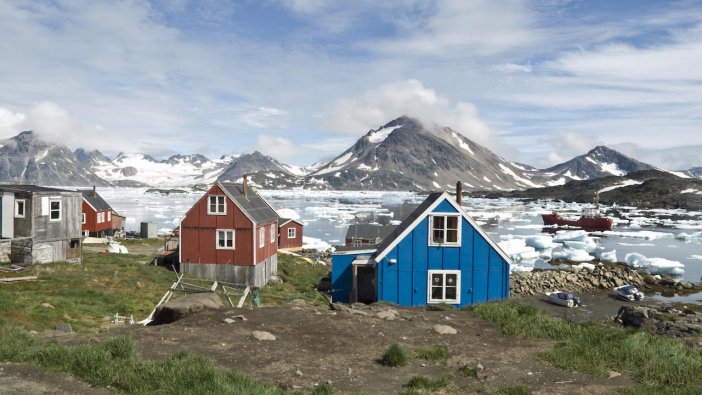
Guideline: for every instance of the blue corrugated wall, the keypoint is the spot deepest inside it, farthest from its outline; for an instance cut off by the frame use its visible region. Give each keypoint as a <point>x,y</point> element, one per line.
<point>484,273</point>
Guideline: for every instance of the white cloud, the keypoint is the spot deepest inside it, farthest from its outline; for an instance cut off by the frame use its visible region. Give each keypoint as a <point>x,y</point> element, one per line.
<point>10,122</point>
<point>262,117</point>
<point>374,108</point>
<point>567,145</point>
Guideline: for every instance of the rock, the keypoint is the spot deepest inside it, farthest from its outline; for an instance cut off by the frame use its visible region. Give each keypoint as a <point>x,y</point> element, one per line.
<point>357,312</point>
<point>298,373</point>
<point>298,302</point>
<point>338,307</point>
<point>479,367</point>
<point>185,306</point>
<point>612,374</point>
<point>63,328</point>
<point>229,321</point>
<point>387,315</point>
<point>263,336</point>
<point>47,305</point>
<point>687,285</point>
<point>444,330</point>
<point>234,319</point>
<point>274,280</point>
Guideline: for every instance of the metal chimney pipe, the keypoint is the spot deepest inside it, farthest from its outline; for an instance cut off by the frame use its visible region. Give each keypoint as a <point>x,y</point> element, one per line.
<point>94,192</point>
<point>246,187</point>
<point>459,193</point>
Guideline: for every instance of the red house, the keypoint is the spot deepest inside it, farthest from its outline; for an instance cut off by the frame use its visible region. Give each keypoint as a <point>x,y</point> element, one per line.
<point>96,217</point>
<point>230,235</point>
<point>289,234</point>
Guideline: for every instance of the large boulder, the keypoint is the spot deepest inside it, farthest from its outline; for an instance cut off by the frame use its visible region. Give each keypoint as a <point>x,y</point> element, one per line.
<point>184,306</point>
<point>638,317</point>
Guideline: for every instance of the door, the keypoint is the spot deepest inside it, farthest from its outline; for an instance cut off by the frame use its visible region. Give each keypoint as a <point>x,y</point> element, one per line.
<point>366,284</point>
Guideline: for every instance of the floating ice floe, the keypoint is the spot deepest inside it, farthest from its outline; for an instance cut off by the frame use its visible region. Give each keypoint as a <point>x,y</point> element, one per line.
<point>289,213</point>
<point>315,243</point>
<point>518,251</point>
<point>539,242</point>
<point>587,266</point>
<point>644,234</point>
<point>571,235</point>
<point>695,257</point>
<point>655,265</point>
<point>609,256</point>
<point>587,245</point>
<point>573,255</point>
<point>688,236</point>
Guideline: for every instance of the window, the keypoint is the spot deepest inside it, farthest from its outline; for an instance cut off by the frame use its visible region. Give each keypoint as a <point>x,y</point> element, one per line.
<point>225,239</point>
<point>445,230</point>
<point>444,286</point>
<point>291,233</point>
<point>109,216</point>
<point>261,236</point>
<point>99,218</point>
<point>217,205</point>
<point>54,210</point>
<point>20,206</point>
<point>82,218</point>
<point>273,233</point>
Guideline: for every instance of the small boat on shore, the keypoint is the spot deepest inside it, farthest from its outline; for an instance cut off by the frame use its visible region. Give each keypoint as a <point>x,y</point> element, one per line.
<point>629,293</point>
<point>591,219</point>
<point>566,299</point>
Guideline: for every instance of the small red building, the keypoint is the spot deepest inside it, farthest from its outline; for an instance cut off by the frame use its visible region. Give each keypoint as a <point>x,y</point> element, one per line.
<point>96,217</point>
<point>230,235</point>
<point>289,234</point>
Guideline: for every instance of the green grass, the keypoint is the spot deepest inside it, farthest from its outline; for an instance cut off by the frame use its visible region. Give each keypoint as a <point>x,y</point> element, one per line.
<point>116,364</point>
<point>422,384</point>
<point>300,281</point>
<point>434,353</point>
<point>518,390</point>
<point>658,363</point>
<point>468,372</point>
<point>84,295</point>
<point>394,356</point>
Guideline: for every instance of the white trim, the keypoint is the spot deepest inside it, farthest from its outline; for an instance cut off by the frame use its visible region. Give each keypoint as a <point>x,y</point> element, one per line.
<point>109,216</point>
<point>262,237</point>
<point>83,218</point>
<point>294,231</point>
<point>24,208</point>
<point>444,300</point>
<point>91,206</point>
<point>273,233</point>
<point>233,232</point>
<point>209,205</point>
<point>60,209</point>
<point>353,252</point>
<point>430,240</point>
<point>448,198</point>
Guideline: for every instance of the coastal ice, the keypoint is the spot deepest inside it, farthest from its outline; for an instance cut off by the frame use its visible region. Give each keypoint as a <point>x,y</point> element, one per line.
<point>655,265</point>
<point>573,235</point>
<point>573,255</point>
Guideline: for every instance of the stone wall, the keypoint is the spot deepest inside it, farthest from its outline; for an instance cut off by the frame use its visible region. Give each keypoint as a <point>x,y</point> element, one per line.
<point>604,276</point>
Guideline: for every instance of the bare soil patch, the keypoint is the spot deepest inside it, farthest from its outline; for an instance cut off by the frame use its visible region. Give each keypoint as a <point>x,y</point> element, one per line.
<point>315,345</point>
<point>18,379</point>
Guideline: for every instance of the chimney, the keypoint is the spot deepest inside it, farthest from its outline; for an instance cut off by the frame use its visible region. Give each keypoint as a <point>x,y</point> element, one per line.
<point>459,193</point>
<point>94,192</point>
<point>246,188</point>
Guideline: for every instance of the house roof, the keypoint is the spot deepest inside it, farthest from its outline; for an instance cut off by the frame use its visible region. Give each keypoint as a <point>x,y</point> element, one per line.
<point>283,221</point>
<point>29,188</point>
<point>95,201</point>
<point>255,206</point>
<point>419,213</point>
<point>369,231</point>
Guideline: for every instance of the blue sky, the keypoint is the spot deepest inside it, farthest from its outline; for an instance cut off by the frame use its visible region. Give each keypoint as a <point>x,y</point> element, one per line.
<point>536,81</point>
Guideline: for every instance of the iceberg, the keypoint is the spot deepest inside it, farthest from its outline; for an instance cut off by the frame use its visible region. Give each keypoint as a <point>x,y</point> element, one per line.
<point>573,235</point>
<point>655,265</point>
<point>573,255</point>
<point>609,256</point>
<point>518,251</point>
<point>540,242</point>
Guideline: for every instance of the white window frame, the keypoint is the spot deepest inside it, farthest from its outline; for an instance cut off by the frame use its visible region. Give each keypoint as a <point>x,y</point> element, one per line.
<point>444,300</point>
<point>217,204</point>
<point>292,233</point>
<point>82,218</point>
<point>51,210</point>
<point>109,216</point>
<point>98,218</point>
<point>273,233</point>
<point>457,243</point>
<point>23,202</point>
<point>261,237</point>
<point>233,239</point>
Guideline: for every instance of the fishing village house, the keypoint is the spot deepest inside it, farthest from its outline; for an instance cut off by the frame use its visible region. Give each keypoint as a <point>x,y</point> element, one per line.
<point>98,217</point>
<point>438,254</point>
<point>39,225</point>
<point>230,235</point>
<point>289,234</point>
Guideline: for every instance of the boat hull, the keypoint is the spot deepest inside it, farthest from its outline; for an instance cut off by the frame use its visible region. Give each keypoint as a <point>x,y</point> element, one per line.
<point>589,223</point>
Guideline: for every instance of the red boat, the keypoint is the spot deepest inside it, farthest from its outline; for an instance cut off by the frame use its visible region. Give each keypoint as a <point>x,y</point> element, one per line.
<point>589,220</point>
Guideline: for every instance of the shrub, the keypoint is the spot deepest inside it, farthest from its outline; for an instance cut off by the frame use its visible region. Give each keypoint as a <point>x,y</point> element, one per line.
<point>435,353</point>
<point>427,383</point>
<point>394,356</point>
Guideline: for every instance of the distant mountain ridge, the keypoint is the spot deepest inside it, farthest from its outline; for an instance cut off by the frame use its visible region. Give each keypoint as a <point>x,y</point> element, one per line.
<point>403,154</point>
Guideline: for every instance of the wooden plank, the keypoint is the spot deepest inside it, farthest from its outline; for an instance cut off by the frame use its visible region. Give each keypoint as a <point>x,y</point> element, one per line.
<point>243,297</point>
<point>13,279</point>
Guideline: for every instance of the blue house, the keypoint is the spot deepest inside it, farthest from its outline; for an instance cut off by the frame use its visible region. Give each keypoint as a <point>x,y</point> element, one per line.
<point>436,255</point>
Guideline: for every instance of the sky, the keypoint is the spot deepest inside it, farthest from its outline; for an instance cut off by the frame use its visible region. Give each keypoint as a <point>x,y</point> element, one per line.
<point>538,82</point>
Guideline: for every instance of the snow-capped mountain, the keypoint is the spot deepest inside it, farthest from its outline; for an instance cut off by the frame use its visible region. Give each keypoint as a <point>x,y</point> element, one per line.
<point>599,162</point>
<point>405,154</point>
<point>696,172</point>
<point>26,158</point>
<point>256,162</point>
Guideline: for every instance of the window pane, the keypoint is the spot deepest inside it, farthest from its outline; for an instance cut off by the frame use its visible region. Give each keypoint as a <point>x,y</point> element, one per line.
<point>451,279</point>
<point>452,222</point>
<point>451,236</point>
<point>55,205</point>
<point>451,293</point>
<point>230,242</point>
<point>438,236</point>
<point>437,293</point>
<point>439,222</point>
<point>437,279</point>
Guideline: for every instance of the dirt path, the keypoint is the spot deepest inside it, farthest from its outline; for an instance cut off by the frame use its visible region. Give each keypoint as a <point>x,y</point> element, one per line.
<point>342,349</point>
<point>18,379</point>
